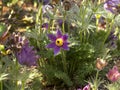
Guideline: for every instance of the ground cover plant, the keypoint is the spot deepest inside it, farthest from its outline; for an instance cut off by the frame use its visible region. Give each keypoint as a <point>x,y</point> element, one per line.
<point>59,45</point>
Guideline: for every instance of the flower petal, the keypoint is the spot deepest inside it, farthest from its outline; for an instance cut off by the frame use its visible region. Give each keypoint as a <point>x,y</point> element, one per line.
<point>56,50</point>
<point>79,89</point>
<point>115,68</point>
<point>65,37</point>
<point>27,56</point>
<point>60,22</point>
<point>52,37</point>
<point>65,46</point>
<point>111,5</point>
<point>51,45</point>
<point>45,25</point>
<point>59,34</point>
<point>113,74</point>
<point>87,87</point>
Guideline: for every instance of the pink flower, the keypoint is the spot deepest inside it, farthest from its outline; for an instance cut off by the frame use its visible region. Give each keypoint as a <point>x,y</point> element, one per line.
<point>87,87</point>
<point>113,74</point>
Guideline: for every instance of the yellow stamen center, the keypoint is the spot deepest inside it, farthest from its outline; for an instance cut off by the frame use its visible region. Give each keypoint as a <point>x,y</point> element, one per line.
<point>59,42</point>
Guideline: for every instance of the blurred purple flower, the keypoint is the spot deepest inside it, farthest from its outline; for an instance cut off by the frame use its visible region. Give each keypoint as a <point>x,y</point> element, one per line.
<point>112,36</point>
<point>60,22</point>
<point>45,25</point>
<point>112,39</point>
<point>113,74</point>
<point>58,41</point>
<point>87,87</point>
<point>112,6</point>
<point>27,56</point>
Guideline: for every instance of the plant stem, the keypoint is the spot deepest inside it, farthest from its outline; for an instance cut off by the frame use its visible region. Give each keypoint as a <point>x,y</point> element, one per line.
<point>1,85</point>
<point>97,75</point>
<point>109,30</point>
<point>63,25</point>
<point>97,22</point>
<point>53,22</point>
<point>64,61</point>
<point>39,17</point>
<point>23,85</point>
<point>96,82</point>
<point>16,73</point>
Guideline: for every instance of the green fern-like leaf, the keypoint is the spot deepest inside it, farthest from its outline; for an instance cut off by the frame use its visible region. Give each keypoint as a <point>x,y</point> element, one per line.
<point>63,76</point>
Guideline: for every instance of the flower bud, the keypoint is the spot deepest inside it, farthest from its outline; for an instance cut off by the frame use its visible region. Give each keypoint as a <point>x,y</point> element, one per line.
<point>100,64</point>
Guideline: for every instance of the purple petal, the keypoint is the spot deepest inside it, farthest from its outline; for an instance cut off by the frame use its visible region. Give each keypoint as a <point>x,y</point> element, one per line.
<point>65,37</point>
<point>87,87</point>
<point>51,45</point>
<point>79,89</point>
<point>52,37</point>
<point>59,34</point>
<point>110,5</point>
<point>45,25</point>
<point>27,56</point>
<point>56,50</point>
<point>111,10</point>
<point>115,68</point>
<point>60,22</point>
<point>65,46</point>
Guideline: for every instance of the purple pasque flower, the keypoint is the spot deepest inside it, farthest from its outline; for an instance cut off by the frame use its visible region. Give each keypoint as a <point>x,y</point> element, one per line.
<point>112,6</point>
<point>58,41</point>
<point>27,56</point>
<point>113,74</point>
<point>87,87</point>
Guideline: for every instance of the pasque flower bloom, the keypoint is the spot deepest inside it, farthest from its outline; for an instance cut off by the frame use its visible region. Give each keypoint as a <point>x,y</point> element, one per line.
<point>87,87</point>
<point>112,6</point>
<point>27,56</point>
<point>100,63</point>
<point>113,74</point>
<point>58,41</point>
